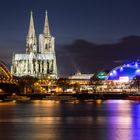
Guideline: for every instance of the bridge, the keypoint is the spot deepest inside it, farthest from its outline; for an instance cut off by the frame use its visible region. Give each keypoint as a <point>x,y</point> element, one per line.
<point>7,83</point>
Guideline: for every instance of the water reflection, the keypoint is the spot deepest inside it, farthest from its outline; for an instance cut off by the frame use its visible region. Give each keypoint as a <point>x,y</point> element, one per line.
<point>135,112</point>
<point>55,120</point>
<point>119,119</point>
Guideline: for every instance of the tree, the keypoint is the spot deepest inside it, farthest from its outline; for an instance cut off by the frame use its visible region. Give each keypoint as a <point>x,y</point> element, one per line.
<point>63,83</point>
<point>26,83</point>
<point>76,87</point>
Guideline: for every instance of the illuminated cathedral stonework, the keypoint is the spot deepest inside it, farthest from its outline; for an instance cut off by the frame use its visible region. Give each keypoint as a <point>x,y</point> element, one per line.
<point>39,61</point>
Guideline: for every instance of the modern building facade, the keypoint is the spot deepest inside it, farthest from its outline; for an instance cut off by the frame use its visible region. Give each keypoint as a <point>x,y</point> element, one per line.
<point>125,72</point>
<point>40,59</point>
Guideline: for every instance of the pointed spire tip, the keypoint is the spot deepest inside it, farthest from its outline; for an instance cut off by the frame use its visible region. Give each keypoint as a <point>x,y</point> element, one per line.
<point>46,12</point>
<point>31,12</point>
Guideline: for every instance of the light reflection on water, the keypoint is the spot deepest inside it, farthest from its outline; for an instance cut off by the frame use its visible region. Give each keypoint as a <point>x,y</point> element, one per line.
<point>83,120</point>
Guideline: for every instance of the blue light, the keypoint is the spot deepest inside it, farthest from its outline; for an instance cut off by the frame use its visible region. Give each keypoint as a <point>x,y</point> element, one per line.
<point>138,71</point>
<point>130,70</point>
<point>114,71</point>
<point>121,69</point>
<point>136,64</point>
<point>111,74</point>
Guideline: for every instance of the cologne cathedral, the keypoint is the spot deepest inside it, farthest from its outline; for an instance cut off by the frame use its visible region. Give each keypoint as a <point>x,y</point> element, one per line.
<point>39,60</point>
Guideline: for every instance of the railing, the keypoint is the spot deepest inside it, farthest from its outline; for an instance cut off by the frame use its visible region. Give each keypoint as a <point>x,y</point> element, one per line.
<point>8,81</point>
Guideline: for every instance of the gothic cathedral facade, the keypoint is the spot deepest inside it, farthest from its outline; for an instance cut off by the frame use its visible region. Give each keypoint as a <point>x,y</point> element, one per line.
<point>39,60</point>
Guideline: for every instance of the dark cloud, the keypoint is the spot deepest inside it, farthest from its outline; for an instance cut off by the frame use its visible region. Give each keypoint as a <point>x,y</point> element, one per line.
<point>8,48</point>
<point>89,57</point>
<point>82,55</point>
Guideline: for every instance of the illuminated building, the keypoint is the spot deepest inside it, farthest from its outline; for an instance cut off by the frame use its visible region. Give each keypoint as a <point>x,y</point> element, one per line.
<point>39,61</point>
<point>125,72</point>
<point>82,79</point>
<point>81,76</point>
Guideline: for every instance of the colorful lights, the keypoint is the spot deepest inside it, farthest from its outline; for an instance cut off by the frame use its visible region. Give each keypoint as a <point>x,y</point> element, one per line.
<point>129,70</point>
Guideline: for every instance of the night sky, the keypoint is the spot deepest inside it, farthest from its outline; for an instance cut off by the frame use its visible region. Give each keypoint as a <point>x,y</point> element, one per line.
<point>91,35</point>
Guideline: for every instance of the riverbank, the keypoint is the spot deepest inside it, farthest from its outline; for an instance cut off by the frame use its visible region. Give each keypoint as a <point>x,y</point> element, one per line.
<point>105,96</point>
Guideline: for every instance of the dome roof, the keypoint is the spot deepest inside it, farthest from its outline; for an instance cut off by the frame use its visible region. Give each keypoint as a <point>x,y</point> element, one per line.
<point>127,70</point>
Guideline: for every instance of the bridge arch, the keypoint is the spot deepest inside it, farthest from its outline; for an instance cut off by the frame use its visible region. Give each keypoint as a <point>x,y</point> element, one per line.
<point>7,83</point>
<point>4,72</point>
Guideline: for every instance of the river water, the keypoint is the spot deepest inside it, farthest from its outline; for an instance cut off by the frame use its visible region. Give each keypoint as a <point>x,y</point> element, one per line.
<point>71,120</point>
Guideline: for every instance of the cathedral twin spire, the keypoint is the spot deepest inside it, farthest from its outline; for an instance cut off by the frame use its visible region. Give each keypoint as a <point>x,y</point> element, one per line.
<point>31,32</point>
<point>31,41</point>
<point>40,59</point>
<point>46,26</point>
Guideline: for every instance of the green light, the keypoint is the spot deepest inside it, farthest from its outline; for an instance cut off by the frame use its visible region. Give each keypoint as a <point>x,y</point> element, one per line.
<point>101,75</point>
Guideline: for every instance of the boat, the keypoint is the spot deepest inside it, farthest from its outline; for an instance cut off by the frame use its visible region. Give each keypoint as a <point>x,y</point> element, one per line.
<point>134,97</point>
<point>17,98</point>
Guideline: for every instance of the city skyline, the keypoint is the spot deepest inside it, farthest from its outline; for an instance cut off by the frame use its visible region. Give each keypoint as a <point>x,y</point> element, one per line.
<point>95,23</point>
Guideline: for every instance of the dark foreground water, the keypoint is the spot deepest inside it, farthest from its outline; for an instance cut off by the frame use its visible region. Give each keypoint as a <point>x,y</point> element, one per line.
<point>73,120</point>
